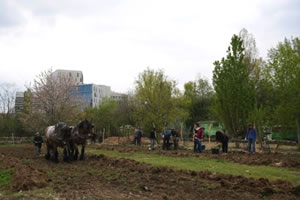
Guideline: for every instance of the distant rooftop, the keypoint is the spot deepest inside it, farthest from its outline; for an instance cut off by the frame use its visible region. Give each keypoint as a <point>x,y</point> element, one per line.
<point>65,70</point>
<point>19,94</point>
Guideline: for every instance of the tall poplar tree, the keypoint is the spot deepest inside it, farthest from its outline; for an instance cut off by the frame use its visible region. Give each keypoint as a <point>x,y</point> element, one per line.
<point>235,92</point>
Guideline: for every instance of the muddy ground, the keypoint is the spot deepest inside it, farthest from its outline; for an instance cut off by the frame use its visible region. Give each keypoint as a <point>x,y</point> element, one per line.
<point>101,177</point>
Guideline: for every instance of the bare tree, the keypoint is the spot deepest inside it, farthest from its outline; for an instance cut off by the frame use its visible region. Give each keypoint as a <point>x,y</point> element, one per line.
<point>51,99</point>
<point>7,98</point>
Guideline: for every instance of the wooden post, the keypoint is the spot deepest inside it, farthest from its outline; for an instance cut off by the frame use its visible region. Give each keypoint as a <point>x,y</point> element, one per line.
<point>209,133</point>
<point>103,133</point>
<point>13,137</point>
<point>181,132</point>
<point>298,131</point>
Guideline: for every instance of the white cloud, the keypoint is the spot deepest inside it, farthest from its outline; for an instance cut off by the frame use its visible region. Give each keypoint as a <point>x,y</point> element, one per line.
<point>113,41</point>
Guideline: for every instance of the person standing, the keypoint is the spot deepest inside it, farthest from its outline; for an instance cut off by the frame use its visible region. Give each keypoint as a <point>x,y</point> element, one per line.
<point>166,139</point>
<point>38,141</point>
<point>153,138</point>
<point>138,136</point>
<point>198,135</point>
<point>175,136</point>
<point>251,137</point>
<point>223,138</point>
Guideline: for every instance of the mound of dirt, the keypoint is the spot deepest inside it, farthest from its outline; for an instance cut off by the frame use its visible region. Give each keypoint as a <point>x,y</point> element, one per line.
<point>119,140</point>
<point>24,177</point>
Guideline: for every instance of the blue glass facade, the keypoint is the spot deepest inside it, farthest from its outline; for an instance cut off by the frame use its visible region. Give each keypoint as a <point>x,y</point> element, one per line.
<point>84,92</point>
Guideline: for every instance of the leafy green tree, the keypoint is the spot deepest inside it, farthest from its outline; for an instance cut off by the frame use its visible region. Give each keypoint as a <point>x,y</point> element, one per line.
<point>125,110</point>
<point>284,73</point>
<point>154,97</point>
<point>104,116</point>
<point>235,92</point>
<point>198,97</point>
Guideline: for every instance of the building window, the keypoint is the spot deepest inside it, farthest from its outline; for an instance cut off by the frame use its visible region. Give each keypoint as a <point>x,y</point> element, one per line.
<point>70,74</point>
<point>77,74</point>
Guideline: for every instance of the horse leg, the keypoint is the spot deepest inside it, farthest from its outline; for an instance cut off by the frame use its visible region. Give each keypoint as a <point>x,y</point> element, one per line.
<point>76,152</point>
<point>55,154</point>
<point>71,151</point>
<point>47,155</point>
<point>82,157</point>
<point>65,157</point>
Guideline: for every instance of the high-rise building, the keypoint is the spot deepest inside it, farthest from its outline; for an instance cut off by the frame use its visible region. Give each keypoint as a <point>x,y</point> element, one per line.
<point>92,95</point>
<point>74,75</point>
<point>19,101</point>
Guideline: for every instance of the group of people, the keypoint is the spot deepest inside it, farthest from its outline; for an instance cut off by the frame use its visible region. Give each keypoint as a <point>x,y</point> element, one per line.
<point>223,138</point>
<point>166,135</point>
<point>198,131</point>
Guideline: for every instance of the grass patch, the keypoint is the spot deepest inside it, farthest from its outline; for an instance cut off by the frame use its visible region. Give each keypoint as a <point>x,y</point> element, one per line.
<point>27,161</point>
<point>214,165</point>
<point>5,177</point>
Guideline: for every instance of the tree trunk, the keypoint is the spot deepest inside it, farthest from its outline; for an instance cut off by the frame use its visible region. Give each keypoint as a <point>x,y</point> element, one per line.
<point>260,137</point>
<point>298,131</point>
<point>181,132</point>
<point>103,133</point>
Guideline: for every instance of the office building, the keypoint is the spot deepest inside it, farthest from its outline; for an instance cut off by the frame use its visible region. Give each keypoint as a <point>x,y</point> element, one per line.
<point>74,75</point>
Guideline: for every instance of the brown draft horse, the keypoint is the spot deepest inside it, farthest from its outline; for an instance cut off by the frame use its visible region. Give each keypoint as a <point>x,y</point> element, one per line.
<point>79,136</point>
<point>57,136</point>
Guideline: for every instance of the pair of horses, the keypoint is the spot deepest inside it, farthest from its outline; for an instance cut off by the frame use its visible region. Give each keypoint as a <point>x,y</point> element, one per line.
<point>68,138</point>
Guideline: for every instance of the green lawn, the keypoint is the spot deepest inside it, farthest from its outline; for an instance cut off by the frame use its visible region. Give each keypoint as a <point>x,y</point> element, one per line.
<point>213,165</point>
<point>5,177</point>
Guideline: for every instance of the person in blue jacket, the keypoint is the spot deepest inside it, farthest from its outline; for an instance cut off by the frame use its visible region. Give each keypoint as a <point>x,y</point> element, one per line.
<point>166,139</point>
<point>251,137</point>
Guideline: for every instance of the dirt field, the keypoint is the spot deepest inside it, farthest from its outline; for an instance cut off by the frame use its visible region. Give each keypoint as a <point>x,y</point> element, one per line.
<point>101,177</point>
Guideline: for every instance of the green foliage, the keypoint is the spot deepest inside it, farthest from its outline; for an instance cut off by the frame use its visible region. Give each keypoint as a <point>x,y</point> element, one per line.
<point>235,92</point>
<point>32,121</point>
<point>11,124</point>
<point>104,116</point>
<point>198,98</point>
<point>5,177</point>
<point>284,69</point>
<point>125,110</point>
<point>155,95</point>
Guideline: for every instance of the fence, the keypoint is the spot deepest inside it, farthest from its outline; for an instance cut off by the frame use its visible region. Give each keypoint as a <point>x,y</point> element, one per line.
<point>15,140</point>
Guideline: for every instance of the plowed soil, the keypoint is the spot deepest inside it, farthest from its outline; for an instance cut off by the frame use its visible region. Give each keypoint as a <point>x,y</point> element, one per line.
<point>101,177</point>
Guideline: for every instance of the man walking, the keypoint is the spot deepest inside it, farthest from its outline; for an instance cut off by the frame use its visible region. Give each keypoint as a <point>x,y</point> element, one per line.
<point>38,140</point>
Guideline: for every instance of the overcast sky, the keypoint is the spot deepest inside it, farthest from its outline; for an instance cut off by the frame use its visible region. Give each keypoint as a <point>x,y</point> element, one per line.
<point>112,41</point>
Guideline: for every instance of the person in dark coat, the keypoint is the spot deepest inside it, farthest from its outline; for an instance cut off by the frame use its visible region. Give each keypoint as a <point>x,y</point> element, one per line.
<point>38,141</point>
<point>138,136</point>
<point>153,138</point>
<point>222,138</point>
<point>175,136</point>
